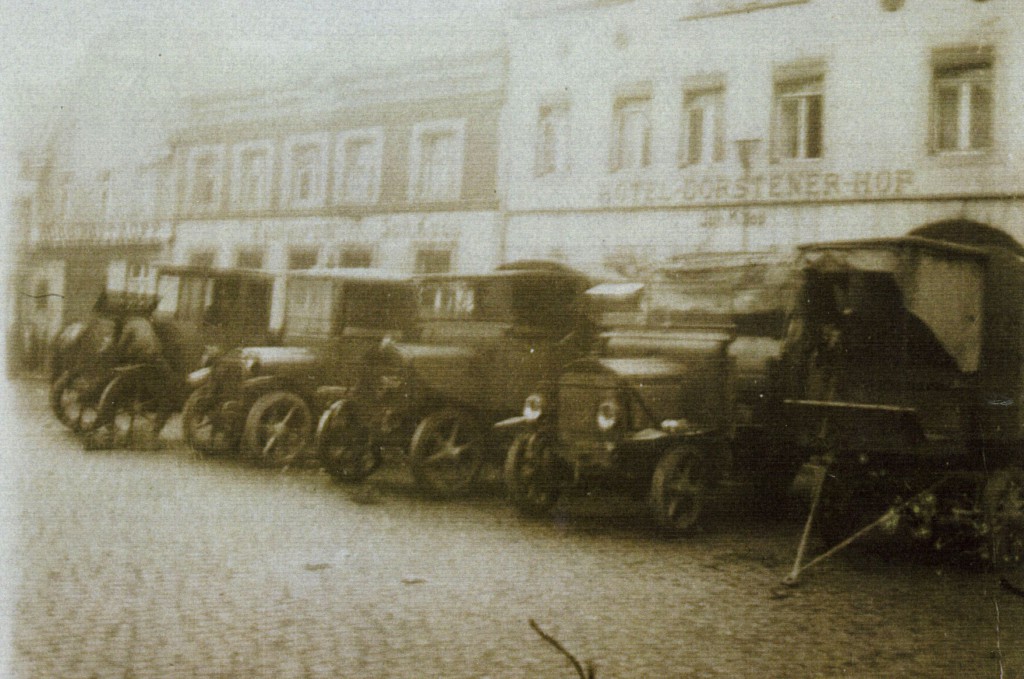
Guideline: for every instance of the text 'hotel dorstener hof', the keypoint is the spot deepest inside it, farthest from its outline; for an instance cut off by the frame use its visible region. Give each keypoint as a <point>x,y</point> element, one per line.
<point>601,132</point>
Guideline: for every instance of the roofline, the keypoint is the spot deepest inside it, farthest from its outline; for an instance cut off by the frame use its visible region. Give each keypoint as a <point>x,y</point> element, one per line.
<point>901,242</point>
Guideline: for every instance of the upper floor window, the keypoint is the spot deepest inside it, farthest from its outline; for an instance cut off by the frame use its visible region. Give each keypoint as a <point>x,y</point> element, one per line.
<point>302,257</point>
<point>252,177</point>
<point>351,257</point>
<point>962,102</point>
<point>306,172</point>
<point>206,167</point>
<point>249,258</point>
<point>703,126</point>
<point>358,166</point>
<point>799,118</point>
<point>632,142</point>
<point>436,155</point>
<point>202,258</point>
<point>433,260</point>
<point>553,139</point>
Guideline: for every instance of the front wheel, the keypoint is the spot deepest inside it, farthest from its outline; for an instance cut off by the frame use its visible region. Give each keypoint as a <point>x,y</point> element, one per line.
<point>343,445</point>
<point>445,453</point>
<point>277,429</point>
<point>1003,506</point>
<point>200,427</point>
<point>678,490</point>
<point>531,474</point>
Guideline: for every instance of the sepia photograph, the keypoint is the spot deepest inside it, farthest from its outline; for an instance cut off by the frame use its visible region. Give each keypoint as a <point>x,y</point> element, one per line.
<point>497,339</point>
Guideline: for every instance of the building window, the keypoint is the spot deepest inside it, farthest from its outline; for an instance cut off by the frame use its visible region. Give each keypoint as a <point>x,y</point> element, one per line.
<point>252,177</point>
<point>436,173</point>
<point>632,144</point>
<point>798,130</point>
<point>302,258</point>
<point>202,258</point>
<point>433,260</point>
<point>358,166</point>
<point>206,179</point>
<point>703,127</point>
<point>352,257</point>
<point>962,104</point>
<point>553,139</point>
<point>138,278</point>
<point>249,258</point>
<point>306,172</point>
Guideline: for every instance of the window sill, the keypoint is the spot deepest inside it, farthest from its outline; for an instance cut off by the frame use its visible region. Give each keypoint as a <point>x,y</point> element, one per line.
<point>964,158</point>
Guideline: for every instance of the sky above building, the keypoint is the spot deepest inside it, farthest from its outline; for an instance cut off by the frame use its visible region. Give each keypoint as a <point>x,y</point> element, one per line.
<point>114,72</point>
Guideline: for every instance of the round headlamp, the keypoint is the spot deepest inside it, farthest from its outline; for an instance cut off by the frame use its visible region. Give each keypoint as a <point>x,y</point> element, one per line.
<point>251,364</point>
<point>608,414</point>
<point>533,407</point>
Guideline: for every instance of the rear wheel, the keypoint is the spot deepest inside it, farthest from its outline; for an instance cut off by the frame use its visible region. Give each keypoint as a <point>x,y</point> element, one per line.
<point>1003,506</point>
<point>678,491</point>
<point>532,476</point>
<point>445,453</point>
<point>200,427</point>
<point>277,429</point>
<point>131,414</point>
<point>74,398</point>
<point>343,445</point>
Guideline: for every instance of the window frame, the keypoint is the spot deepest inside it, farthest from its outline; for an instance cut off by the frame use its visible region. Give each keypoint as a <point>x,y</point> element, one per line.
<point>802,88</point>
<point>375,137</point>
<point>318,192</point>
<point>966,69</point>
<point>552,155</point>
<point>238,198</point>
<point>197,156</point>
<point>453,126</point>
<point>692,97</point>
<point>622,104</point>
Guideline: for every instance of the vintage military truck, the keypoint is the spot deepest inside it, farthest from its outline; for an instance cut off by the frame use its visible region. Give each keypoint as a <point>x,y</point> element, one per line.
<point>483,341</point>
<point>906,376</point>
<point>201,312</point>
<point>264,398</point>
<point>85,354</point>
<point>681,393</point>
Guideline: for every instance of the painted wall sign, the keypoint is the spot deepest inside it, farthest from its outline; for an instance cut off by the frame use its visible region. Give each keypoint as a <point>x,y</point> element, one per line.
<point>104,233</point>
<point>780,186</point>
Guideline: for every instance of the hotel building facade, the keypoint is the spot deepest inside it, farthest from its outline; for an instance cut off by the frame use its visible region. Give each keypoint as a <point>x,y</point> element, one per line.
<point>638,130</point>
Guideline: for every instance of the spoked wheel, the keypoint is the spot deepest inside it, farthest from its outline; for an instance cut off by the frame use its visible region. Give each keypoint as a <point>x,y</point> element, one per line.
<point>74,400</point>
<point>277,429</point>
<point>445,453</point>
<point>1003,505</point>
<point>532,476</point>
<point>343,445</point>
<point>131,415</point>
<point>677,491</point>
<point>201,429</point>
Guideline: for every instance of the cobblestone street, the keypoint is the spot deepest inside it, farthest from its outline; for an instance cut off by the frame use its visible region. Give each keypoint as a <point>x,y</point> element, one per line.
<point>152,564</point>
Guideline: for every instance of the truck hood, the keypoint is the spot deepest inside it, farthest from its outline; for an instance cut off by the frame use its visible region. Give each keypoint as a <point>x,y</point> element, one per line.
<point>276,357</point>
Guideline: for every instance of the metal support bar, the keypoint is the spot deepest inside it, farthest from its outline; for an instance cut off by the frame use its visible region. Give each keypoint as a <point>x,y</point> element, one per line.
<point>890,514</point>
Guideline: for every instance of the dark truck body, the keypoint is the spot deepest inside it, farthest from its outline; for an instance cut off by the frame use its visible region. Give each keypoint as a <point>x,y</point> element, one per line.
<point>332,320</point>
<point>482,342</point>
<point>906,378</point>
<point>683,388</point>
